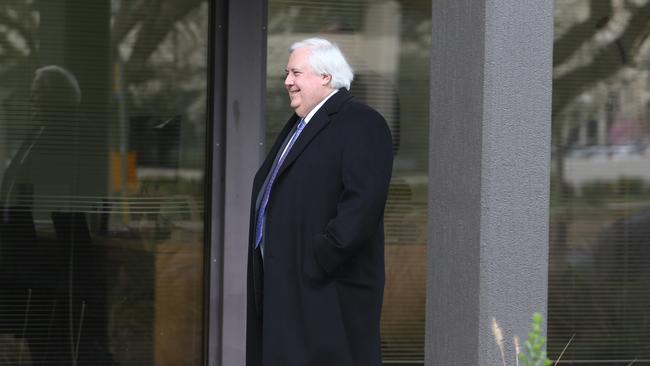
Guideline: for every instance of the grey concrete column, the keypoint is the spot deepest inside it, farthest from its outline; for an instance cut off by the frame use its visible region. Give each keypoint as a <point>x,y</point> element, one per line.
<point>489,175</point>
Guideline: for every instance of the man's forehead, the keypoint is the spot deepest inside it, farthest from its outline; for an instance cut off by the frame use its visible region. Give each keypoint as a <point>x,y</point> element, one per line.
<point>297,65</point>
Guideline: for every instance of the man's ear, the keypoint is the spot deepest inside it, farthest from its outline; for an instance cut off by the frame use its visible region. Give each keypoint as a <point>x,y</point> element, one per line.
<point>327,78</point>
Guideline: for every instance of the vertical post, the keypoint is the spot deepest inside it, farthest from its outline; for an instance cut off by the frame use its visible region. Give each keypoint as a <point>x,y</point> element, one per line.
<point>244,137</point>
<point>489,175</point>
<point>215,171</point>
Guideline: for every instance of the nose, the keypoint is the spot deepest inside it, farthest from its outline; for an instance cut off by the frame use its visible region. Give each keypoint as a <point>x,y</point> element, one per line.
<point>288,80</point>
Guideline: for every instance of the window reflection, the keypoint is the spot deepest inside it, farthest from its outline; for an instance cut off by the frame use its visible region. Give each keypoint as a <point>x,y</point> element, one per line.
<point>101,168</point>
<point>600,212</point>
<point>387,44</point>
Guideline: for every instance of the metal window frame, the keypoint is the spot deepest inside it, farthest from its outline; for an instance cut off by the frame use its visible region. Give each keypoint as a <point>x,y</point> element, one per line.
<point>214,189</point>
<point>236,123</point>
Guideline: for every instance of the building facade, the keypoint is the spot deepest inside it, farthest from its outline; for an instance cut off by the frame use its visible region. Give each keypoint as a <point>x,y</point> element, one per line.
<point>130,132</point>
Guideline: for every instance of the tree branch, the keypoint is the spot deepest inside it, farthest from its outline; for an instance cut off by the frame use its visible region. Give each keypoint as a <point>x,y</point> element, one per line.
<point>20,28</point>
<point>581,32</point>
<point>607,62</point>
<point>155,26</point>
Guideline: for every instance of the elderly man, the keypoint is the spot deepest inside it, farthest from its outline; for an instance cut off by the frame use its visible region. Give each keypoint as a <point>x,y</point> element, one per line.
<point>316,251</point>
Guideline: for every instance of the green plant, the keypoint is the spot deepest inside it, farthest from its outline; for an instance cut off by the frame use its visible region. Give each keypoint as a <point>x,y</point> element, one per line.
<point>534,353</point>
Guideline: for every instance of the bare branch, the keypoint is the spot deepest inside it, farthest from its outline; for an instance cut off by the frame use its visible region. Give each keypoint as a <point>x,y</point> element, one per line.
<point>156,26</point>
<point>129,15</point>
<point>578,34</point>
<point>20,28</point>
<point>604,64</point>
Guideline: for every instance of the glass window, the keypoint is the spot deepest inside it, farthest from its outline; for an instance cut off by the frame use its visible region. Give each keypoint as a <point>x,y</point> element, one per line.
<point>102,146</point>
<point>600,201</point>
<point>387,43</point>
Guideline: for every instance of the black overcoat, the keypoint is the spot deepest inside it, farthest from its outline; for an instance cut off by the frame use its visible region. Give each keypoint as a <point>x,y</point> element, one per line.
<point>315,299</point>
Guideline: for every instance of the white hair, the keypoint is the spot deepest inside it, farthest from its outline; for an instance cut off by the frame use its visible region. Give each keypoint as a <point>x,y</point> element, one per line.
<point>326,58</point>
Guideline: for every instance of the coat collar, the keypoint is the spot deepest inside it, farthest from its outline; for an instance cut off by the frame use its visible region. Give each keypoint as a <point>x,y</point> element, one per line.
<point>315,125</point>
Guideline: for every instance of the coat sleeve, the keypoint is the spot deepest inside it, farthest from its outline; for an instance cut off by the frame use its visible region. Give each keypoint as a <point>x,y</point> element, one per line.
<point>366,166</point>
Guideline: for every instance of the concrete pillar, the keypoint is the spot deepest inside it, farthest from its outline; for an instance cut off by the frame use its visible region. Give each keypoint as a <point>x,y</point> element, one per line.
<point>489,175</point>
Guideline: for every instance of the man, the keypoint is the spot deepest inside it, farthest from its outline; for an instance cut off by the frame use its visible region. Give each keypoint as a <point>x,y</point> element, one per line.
<point>316,256</point>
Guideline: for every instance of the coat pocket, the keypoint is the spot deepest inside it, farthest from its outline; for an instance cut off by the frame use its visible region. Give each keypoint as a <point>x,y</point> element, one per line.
<point>310,266</point>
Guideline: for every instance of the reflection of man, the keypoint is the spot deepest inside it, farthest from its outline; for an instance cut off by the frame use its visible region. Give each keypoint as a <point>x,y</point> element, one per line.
<point>316,257</point>
<point>55,98</point>
<point>32,267</point>
<point>45,296</point>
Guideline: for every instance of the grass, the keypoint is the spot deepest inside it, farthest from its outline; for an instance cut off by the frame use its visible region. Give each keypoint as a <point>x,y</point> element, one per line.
<point>533,353</point>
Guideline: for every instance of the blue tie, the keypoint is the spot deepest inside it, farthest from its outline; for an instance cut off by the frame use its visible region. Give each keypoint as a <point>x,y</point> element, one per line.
<point>261,214</point>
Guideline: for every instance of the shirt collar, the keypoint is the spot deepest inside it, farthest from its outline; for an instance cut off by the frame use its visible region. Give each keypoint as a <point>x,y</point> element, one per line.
<point>313,111</point>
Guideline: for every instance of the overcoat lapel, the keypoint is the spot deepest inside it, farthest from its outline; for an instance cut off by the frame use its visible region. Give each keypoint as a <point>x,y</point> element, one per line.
<point>256,265</point>
<point>264,170</point>
<point>315,125</point>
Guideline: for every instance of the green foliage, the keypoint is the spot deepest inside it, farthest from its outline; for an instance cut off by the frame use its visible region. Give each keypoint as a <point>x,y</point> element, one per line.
<point>534,353</point>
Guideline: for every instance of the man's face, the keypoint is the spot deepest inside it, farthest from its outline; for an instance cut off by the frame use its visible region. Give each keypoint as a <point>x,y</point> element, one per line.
<point>306,88</point>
